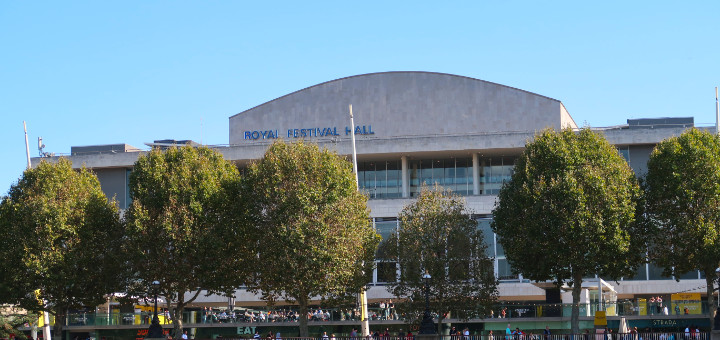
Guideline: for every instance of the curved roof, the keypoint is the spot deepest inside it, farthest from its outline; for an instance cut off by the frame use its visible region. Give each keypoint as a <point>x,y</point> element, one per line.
<point>403,103</point>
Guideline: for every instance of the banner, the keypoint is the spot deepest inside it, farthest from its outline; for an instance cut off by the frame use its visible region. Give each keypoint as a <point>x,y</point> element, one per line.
<point>686,303</point>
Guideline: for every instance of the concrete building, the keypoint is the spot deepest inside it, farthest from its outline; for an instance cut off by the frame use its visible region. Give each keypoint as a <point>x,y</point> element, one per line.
<point>416,128</point>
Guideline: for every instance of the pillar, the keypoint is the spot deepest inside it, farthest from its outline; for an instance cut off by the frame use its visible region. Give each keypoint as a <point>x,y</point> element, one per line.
<point>476,174</point>
<point>405,182</point>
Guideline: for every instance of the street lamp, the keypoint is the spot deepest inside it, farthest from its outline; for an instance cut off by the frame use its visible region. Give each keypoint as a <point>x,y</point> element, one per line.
<point>427,326</point>
<point>155,331</point>
<point>156,287</point>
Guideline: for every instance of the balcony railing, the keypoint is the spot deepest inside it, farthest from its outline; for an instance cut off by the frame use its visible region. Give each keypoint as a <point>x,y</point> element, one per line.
<point>506,311</point>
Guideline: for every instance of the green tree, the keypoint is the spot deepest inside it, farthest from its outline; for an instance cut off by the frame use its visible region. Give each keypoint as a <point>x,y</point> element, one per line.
<point>58,241</point>
<point>311,225</point>
<point>568,212</point>
<point>11,320</point>
<point>682,189</point>
<point>178,232</point>
<point>438,236</point>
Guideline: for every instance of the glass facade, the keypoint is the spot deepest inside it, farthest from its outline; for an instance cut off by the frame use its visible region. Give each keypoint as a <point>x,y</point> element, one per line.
<point>380,179</point>
<point>495,251</point>
<point>385,270</point>
<point>453,173</point>
<point>494,171</point>
<point>625,152</point>
<point>383,179</point>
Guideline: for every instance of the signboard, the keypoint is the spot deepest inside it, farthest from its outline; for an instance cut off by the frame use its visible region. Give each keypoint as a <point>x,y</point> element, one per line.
<point>600,318</point>
<point>310,132</point>
<point>686,303</point>
<point>642,306</point>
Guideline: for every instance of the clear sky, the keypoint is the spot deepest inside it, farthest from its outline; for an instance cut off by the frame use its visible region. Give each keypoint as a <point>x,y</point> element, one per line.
<point>104,72</point>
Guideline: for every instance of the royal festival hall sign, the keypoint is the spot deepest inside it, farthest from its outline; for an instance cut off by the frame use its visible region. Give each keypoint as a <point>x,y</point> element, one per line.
<point>307,132</point>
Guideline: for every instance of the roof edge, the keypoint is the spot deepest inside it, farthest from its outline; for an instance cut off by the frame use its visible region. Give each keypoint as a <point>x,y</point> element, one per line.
<point>388,72</point>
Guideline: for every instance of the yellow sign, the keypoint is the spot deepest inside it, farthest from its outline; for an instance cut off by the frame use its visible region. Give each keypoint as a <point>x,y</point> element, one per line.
<point>642,306</point>
<point>686,303</point>
<point>600,318</point>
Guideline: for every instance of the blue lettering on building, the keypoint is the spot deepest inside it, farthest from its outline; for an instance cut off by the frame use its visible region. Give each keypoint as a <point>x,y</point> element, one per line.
<point>265,134</point>
<point>308,132</point>
<point>360,130</point>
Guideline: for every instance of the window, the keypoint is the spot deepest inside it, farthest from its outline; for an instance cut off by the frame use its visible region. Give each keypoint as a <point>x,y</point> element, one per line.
<point>494,171</point>
<point>380,179</point>
<point>386,270</point>
<point>453,173</point>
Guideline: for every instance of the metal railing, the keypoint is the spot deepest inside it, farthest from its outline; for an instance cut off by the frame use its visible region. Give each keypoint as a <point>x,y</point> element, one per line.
<point>485,336</point>
<point>499,311</point>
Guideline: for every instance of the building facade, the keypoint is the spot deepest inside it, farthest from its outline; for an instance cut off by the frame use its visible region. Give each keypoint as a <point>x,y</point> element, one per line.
<point>415,129</point>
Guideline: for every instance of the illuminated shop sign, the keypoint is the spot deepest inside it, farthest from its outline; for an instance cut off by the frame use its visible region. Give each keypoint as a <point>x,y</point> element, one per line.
<point>307,132</point>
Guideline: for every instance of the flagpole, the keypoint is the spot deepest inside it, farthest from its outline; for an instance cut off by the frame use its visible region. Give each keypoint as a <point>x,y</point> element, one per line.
<point>364,323</point>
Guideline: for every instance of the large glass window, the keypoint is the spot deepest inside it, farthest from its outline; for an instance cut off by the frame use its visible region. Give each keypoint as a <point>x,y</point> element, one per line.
<point>640,273</point>
<point>380,179</point>
<point>504,270</point>
<point>656,273</point>
<point>488,236</point>
<point>386,269</point>
<point>691,275</point>
<point>625,152</point>
<point>453,173</point>
<point>494,171</point>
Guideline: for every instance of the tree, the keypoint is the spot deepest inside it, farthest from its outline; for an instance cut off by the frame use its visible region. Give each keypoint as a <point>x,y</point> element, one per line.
<point>311,225</point>
<point>178,232</point>
<point>438,236</point>
<point>682,189</point>
<point>11,320</point>
<point>58,241</point>
<point>568,212</point>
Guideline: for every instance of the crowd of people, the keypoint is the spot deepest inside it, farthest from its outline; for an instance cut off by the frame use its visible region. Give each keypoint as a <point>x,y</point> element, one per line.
<point>210,315</point>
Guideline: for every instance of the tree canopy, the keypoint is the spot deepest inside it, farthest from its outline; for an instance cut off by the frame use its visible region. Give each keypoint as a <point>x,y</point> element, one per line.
<point>313,233</point>
<point>437,235</point>
<point>570,202</point>
<point>682,188</point>
<point>178,232</point>
<point>58,241</point>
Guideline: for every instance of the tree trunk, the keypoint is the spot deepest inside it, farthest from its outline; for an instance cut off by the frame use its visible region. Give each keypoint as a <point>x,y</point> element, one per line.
<point>303,304</point>
<point>177,314</point>
<point>60,316</point>
<point>575,313</point>
<point>710,285</point>
<point>439,324</point>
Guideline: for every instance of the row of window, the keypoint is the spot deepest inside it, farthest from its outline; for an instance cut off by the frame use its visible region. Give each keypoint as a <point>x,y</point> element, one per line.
<point>384,179</point>
<point>386,227</point>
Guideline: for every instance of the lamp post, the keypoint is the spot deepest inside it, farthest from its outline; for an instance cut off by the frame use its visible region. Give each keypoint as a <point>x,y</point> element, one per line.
<point>156,287</point>
<point>155,331</point>
<point>427,326</point>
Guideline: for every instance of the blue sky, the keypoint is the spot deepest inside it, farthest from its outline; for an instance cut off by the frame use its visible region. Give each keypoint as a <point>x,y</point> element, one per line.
<point>103,72</point>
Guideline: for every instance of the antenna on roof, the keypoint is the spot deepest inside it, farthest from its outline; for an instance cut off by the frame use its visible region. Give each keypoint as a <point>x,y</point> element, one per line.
<point>41,146</point>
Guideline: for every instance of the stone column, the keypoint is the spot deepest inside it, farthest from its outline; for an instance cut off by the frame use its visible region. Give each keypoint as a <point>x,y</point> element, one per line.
<point>405,181</point>
<point>476,174</point>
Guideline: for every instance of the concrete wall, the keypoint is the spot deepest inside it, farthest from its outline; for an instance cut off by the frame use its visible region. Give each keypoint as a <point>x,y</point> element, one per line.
<point>113,182</point>
<point>404,104</point>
